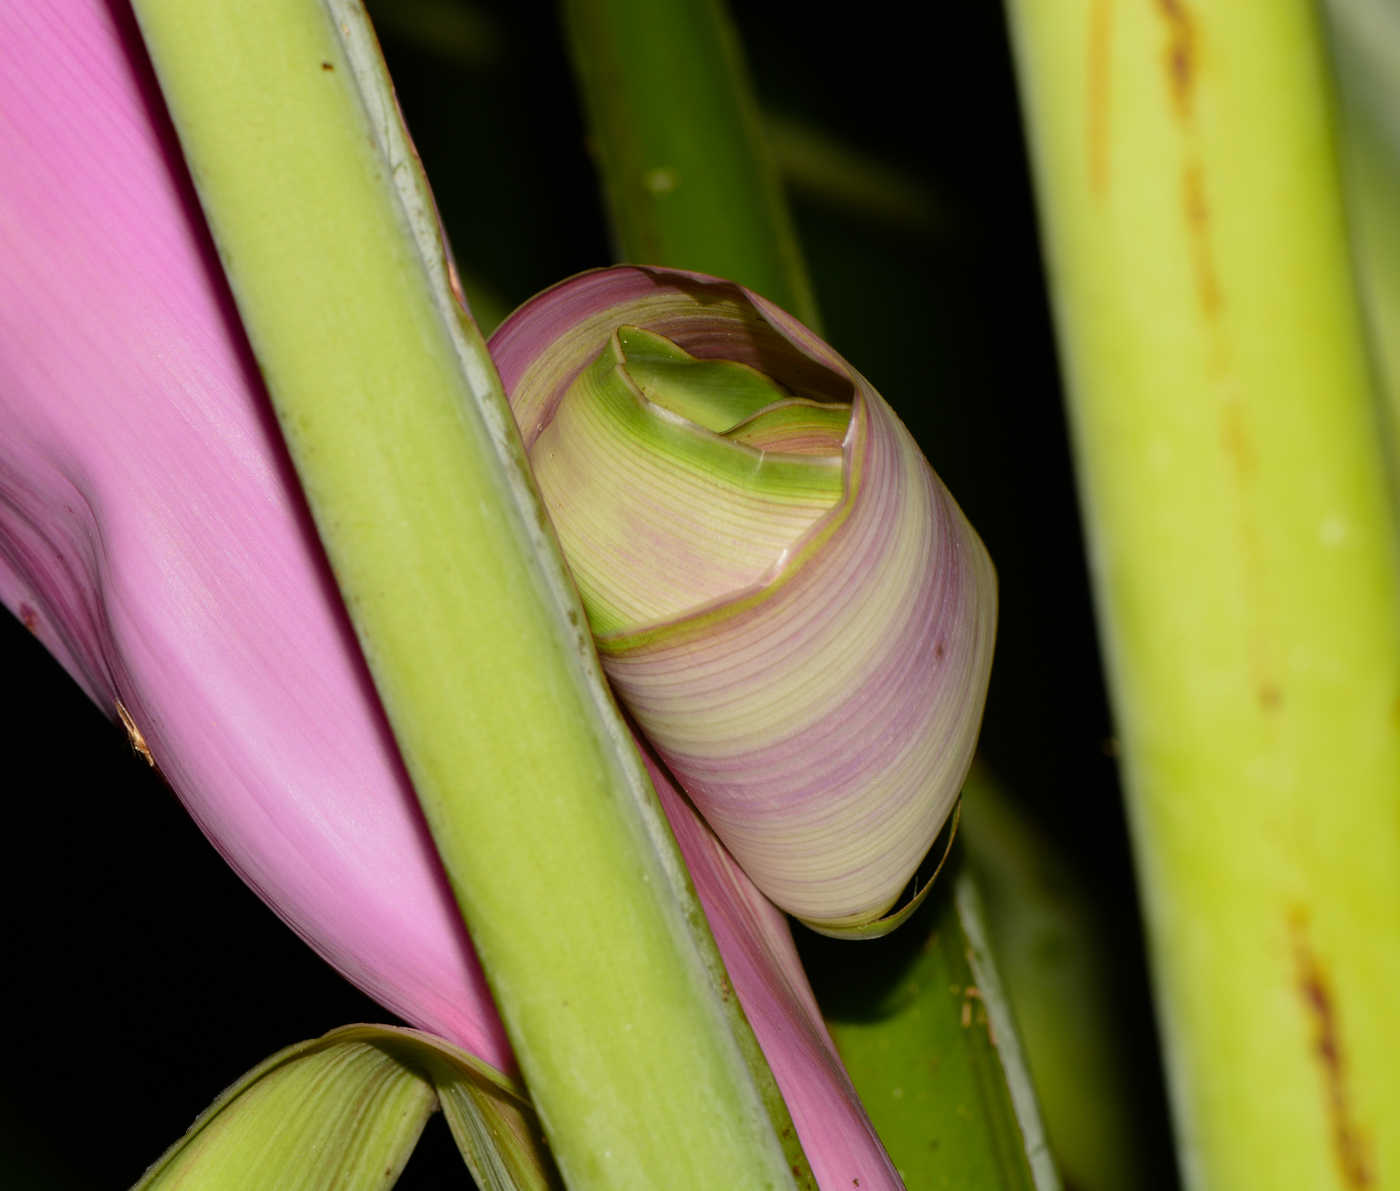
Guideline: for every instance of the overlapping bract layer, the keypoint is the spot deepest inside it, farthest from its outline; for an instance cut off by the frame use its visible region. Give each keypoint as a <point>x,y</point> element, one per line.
<point>822,716</point>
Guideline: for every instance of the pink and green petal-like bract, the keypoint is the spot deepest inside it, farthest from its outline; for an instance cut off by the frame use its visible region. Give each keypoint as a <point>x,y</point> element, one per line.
<point>153,537</point>
<point>822,712</point>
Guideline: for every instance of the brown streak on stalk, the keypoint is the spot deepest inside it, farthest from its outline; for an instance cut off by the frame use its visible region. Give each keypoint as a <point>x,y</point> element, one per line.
<point>1182,71</point>
<point>1181,54</point>
<point>1236,444</point>
<point>29,618</point>
<point>1100,73</point>
<point>1235,441</point>
<point>1193,201</point>
<point>1350,1147</point>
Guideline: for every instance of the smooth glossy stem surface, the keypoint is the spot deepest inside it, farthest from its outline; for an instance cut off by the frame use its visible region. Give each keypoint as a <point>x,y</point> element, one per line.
<point>568,877</point>
<point>1244,560</point>
<point>688,177</point>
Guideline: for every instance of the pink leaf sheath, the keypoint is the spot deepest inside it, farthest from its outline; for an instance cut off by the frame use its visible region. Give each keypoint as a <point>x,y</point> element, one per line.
<point>153,536</point>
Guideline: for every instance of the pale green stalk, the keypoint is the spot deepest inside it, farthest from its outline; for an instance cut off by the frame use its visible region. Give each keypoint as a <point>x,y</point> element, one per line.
<point>1243,556</point>
<point>567,875</point>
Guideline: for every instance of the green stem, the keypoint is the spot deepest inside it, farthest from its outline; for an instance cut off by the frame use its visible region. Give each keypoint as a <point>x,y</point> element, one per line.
<point>687,173</point>
<point>1243,555</point>
<point>568,878</point>
<point>927,1036</point>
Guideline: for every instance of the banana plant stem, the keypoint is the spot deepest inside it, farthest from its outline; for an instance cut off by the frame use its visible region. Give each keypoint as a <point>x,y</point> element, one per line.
<point>1243,552</point>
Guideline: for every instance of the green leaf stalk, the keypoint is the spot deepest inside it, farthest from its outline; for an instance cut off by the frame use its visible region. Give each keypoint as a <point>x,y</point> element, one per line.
<point>1242,546</point>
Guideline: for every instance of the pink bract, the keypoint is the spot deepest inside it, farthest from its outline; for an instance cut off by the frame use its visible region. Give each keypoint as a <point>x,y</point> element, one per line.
<point>153,536</point>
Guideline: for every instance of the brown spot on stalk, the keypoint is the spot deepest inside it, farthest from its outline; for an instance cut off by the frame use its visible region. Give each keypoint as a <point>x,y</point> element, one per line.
<point>1180,54</point>
<point>1351,1149</point>
<point>29,618</point>
<point>133,734</point>
<point>1100,73</point>
<point>1270,697</point>
<point>327,66</point>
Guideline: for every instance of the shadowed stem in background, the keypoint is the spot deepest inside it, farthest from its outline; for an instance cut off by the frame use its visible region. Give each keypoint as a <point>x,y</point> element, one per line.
<point>929,1042</point>
<point>1051,951</point>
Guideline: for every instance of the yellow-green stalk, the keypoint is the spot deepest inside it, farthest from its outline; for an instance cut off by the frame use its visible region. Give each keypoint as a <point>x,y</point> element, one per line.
<point>569,880</point>
<point>1243,555</point>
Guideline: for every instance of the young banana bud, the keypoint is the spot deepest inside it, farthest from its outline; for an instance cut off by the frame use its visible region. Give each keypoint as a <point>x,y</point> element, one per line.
<point>783,594</point>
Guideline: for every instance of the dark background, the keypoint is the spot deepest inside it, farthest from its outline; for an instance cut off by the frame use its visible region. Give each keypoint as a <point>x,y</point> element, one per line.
<point>143,977</point>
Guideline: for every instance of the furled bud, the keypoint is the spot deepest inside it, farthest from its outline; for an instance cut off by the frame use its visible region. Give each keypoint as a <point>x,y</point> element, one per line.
<point>783,594</point>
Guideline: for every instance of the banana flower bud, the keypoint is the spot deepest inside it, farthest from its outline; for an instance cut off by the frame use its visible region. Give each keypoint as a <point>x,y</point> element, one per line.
<point>783,594</point>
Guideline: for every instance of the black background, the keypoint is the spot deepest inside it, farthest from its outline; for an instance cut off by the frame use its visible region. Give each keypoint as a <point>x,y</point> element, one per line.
<point>142,975</point>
